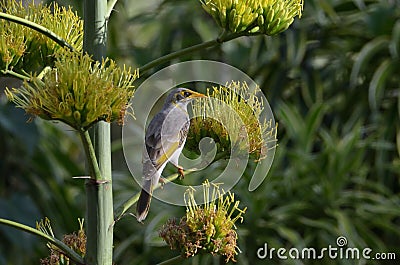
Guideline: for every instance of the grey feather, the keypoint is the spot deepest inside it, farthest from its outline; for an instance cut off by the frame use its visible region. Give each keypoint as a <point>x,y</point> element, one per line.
<point>167,128</point>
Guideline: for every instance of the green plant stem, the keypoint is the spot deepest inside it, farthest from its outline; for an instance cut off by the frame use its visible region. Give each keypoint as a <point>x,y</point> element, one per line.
<point>124,207</point>
<point>14,74</point>
<point>99,197</point>
<point>38,28</point>
<point>59,244</point>
<point>110,7</point>
<point>91,155</point>
<point>221,39</point>
<point>173,260</point>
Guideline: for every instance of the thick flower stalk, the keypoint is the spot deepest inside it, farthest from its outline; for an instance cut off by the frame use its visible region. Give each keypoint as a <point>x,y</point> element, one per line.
<point>254,16</point>
<point>77,91</point>
<point>23,49</point>
<point>231,117</point>
<point>208,228</point>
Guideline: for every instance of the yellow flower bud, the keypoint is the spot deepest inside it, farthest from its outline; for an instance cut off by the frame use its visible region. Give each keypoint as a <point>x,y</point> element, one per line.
<point>254,16</point>
<point>25,50</point>
<point>78,91</point>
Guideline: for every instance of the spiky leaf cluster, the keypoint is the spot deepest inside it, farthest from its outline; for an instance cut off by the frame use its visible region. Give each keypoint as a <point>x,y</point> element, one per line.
<point>78,91</point>
<point>208,228</point>
<point>232,119</point>
<point>25,50</point>
<point>254,16</point>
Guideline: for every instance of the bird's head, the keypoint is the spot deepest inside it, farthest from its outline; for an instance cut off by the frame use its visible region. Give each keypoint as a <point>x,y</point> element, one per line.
<point>182,96</point>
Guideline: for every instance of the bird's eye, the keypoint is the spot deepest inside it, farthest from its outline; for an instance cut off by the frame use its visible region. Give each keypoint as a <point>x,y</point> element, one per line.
<point>186,94</point>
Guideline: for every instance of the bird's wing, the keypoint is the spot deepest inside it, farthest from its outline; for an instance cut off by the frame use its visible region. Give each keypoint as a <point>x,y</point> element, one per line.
<point>158,149</point>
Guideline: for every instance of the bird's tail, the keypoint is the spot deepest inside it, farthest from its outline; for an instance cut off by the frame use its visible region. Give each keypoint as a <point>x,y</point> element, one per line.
<point>143,204</point>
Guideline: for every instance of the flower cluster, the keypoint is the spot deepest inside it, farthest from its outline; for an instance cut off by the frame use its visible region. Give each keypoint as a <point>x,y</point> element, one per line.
<point>254,16</point>
<point>23,49</point>
<point>77,91</point>
<point>231,117</point>
<point>76,241</point>
<point>209,228</point>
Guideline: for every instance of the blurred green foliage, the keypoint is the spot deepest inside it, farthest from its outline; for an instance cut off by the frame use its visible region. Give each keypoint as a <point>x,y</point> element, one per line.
<point>332,81</point>
<point>38,161</point>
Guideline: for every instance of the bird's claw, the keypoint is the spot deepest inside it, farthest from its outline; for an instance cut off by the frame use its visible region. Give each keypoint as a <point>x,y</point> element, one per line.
<point>180,172</point>
<point>162,182</point>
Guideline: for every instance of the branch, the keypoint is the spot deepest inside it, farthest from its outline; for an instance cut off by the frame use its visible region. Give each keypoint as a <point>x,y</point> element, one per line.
<point>65,249</point>
<point>91,155</point>
<point>14,74</point>
<point>221,39</point>
<point>110,7</point>
<point>38,28</point>
<point>171,260</point>
<point>124,207</point>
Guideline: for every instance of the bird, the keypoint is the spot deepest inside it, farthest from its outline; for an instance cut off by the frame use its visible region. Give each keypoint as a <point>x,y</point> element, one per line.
<point>164,140</point>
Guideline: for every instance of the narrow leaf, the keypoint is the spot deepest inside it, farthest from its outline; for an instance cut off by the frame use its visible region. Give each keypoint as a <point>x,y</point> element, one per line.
<point>365,55</point>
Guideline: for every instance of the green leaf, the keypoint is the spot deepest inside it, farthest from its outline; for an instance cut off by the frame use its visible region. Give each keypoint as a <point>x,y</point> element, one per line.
<point>365,55</point>
<point>290,234</point>
<point>395,42</point>
<point>312,122</point>
<point>291,119</point>
<point>324,224</point>
<point>377,85</point>
<point>296,47</point>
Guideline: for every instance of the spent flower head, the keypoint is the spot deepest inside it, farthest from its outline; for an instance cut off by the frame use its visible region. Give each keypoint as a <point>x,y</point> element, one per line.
<point>254,16</point>
<point>23,49</point>
<point>78,91</point>
<point>208,228</point>
<point>76,241</point>
<point>231,117</point>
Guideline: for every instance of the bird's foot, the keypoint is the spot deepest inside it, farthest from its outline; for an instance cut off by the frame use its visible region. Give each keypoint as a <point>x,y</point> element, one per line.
<point>162,182</point>
<point>180,172</point>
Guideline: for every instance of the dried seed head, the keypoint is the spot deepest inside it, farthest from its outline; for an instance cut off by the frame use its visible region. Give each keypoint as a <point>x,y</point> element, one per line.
<point>208,228</point>
<point>76,241</point>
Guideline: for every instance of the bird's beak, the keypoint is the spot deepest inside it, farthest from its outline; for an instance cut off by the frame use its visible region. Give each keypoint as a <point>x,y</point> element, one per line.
<point>197,95</point>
